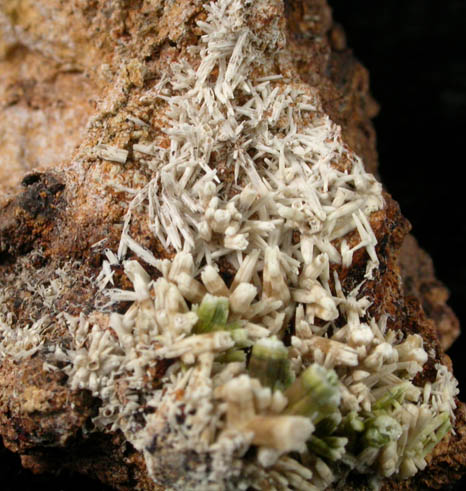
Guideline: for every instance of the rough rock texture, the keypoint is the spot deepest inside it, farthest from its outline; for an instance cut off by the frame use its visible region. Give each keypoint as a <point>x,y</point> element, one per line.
<point>53,77</point>
<point>419,281</point>
<point>45,101</point>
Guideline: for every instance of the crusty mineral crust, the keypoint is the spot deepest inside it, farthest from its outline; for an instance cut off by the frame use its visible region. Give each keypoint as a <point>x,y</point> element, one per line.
<point>50,219</point>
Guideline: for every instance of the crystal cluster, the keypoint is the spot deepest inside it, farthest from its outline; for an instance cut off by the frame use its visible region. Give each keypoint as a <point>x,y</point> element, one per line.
<point>270,374</point>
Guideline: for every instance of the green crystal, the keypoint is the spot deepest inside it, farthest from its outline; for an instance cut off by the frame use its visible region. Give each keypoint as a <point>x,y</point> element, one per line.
<point>429,436</point>
<point>231,355</point>
<point>330,447</point>
<point>269,363</point>
<point>315,394</point>
<point>212,313</point>
<point>240,337</point>
<point>352,426</point>
<point>393,398</point>
<point>381,430</point>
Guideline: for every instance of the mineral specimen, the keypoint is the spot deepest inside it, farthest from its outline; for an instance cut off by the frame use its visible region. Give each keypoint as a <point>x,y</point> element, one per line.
<point>208,293</point>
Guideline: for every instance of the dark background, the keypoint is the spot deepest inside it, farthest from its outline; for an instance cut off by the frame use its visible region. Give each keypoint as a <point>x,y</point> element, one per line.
<point>415,52</point>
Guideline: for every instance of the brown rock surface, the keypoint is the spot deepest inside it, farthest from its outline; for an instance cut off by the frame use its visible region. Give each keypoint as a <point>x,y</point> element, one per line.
<point>45,101</point>
<point>72,75</point>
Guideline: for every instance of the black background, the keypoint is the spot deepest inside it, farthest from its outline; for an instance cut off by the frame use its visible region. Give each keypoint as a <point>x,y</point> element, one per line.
<point>415,52</point>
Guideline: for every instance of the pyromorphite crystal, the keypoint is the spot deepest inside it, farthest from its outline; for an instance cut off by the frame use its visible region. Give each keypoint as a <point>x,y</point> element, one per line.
<point>330,447</point>
<point>315,393</point>
<point>213,314</point>
<point>380,430</point>
<point>269,363</point>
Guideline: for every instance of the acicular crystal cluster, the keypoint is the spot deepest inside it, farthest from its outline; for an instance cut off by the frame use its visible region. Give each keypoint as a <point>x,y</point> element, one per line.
<point>234,383</point>
<point>245,363</point>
